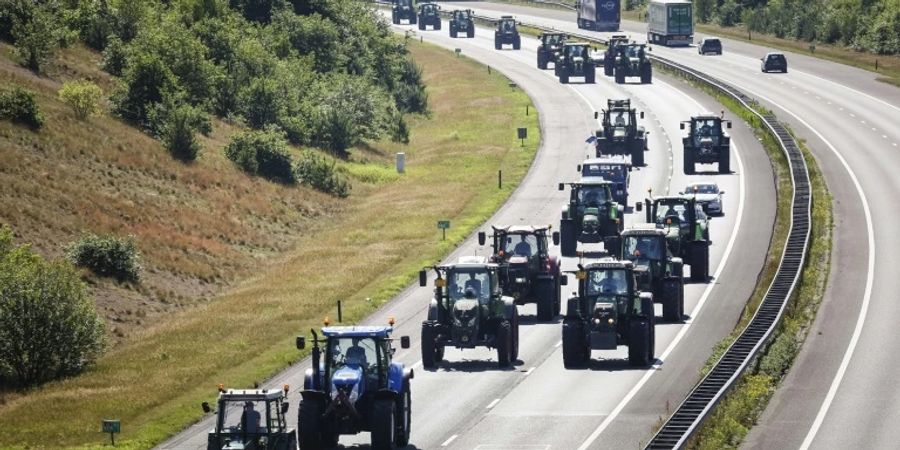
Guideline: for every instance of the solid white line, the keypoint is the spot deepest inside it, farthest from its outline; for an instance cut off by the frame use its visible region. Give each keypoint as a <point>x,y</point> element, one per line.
<point>416,365</point>
<point>557,344</point>
<point>493,403</point>
<point>528,372</point>
<point>867,294</point>
<point>448,441</point>
<point>684,329</point>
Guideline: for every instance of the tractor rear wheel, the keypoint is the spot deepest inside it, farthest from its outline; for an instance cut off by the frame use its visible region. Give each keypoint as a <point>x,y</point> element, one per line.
<point>620,75</point>
<point>437,25</point>
<point>504,341</point>
<point>724,161</point>
<point>574,347</point>
<point>514,340</point>
<point>688,161</point>
<point>309,424</point>
<point>673,300</point>
<point>639,343</point>
<point>383,416</point>
<point>413,19</point>
<point>564,76</point>
<point>452,31</point>
<point>429,346</point>
<point>646,74</point>
<point>394,19</point>
<point>471,30</point>
<point>637,152</point>
<point>700,261</point>
<point>422,25</point>
<point>541,60</point>
<point>608,69</point>
<point>497,44</point>
<point>517,43</point>
<point>568,244</point>
<point>546,299</point>
<point>404,418</point>
<point>590,77</point>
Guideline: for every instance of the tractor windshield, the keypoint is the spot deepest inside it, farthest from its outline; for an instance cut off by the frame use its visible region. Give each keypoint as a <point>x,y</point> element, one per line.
<point>643,247</point>
<point>606,282</point>
<point>508,26</point>
<point>469,283</point>
<point>593,195</point>
<point>620,119</point>
<point>462,15</point>
<point>246,417</point>
<point>706,127</point>
<point>576,51</point>
<point>609,172</point>
<point>671,212</point>
<point>355,353</point>
<point>520,244</point>
<point>429,8</point>
<point>634,51</point>
<point>552,39</point>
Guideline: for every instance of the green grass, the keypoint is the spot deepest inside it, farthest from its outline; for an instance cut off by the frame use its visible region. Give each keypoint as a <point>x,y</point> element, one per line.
<point>155,381</point>
<point>731,420</point>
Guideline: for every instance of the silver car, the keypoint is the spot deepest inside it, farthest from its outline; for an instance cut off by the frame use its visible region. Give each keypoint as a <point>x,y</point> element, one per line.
<point>708,196</point>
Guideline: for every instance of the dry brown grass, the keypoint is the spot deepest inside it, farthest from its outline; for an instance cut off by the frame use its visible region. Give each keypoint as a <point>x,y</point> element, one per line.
<point>370,248</point>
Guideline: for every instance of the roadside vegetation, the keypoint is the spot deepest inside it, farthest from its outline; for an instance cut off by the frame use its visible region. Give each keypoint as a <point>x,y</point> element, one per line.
<point>294,250</point>
<point>737,413</point>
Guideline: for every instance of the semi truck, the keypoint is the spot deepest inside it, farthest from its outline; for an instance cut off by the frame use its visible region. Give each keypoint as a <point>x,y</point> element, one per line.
<point>599,15</point>
<point>670,22</point>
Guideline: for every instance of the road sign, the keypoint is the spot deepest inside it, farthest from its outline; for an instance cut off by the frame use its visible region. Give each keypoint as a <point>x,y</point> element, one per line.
<point>112,427</point>
<point>443,225</point>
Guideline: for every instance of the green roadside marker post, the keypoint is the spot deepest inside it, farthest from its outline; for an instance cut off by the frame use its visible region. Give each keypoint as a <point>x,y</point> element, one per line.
<point>112,427</point>
<point>522,134</point>
<point>443,225</point>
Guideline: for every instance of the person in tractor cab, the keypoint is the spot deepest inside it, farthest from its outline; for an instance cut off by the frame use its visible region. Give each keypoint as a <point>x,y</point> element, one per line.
<point>612,285</point>
<point>474,285</point>
<point>671,214</point>
<point>356,357</point>
<point>523,248</point>
<point>250,419</point>
<point>620,119</point>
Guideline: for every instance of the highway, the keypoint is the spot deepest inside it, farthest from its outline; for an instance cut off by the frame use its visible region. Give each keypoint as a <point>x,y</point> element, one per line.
<point>468,402</point>
<point>840,392</point>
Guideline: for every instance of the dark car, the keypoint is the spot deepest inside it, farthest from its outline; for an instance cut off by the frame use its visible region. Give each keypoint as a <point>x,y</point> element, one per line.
<point>709,45</point>
<point>774,62</point>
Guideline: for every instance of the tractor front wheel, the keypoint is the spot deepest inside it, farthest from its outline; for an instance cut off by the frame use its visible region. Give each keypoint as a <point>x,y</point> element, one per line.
<point>620,75</point>
<point>639,343</point>
<point>590,77</point>
<point>429,346</point>
<point>646,74</point>
<point>700,261</point>
<point>471,31</point>
<point>309,424</point>
<point>688,161</point>
<point>574,347</point>
<point>568,243</point>
<point>404,418</point>
<point>383,416</point>
<point>517,44</point>
<point>724,161</point>
<point>514,341</point>
<point>503,344</point>
<point>673,300</point>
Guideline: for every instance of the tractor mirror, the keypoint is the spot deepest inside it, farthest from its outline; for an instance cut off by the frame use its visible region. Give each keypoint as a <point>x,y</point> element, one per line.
<point>722,192</point>
<point>404,341</point>
<point>578,167</point>
<point>301,342</point>
<point>564,280</point>
<point>556,238</point>
<point>562,186</point>
<point>680,193</point>
<point>638,206</point>
<point>682,125</point>
<point>423,278</point>
<point>284,407</point>
<point>481,238</point>
<point>206,407</point>
<point>729,124</point>
<point>596,114</point>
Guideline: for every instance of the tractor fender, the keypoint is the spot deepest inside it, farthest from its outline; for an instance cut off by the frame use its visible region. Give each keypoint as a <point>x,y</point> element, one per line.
<point>387,394</point>
<point>646,303</point>
<point>677,266</point>
<point>573,310</point>
<point>396,377</point>
<point>314,396</point>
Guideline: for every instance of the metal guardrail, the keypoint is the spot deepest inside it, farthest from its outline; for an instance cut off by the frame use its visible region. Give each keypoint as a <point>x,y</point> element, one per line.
<point>703,398</point>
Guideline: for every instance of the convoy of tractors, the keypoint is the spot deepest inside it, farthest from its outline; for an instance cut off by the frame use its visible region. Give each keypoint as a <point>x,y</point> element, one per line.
<point>354,385</point>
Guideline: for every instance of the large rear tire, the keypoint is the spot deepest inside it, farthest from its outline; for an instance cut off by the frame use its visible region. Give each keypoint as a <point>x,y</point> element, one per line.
<point>574,347</point>
<point>541,60</point>
<point>620,75</point>
<point>404,419</point>
<point>673,300</point>
<point>564,77</point>
<point>514,341</point>
<point>383,428</point>
<point>700,261</point>
<point>568,243</point>
<point>429,346</point>
<point>517,44</point>
<point>497,44</point>
<point>725,161</point>
<point>688,161</point>
<point>470,32</point>
<point>637,153</point>
<point>591,76</point>
<point>639,343</point>
<point>646,74</point>
<point>504,340</point>
<point>309,424</point>
<point>437,26</point>
<point>452,31</point>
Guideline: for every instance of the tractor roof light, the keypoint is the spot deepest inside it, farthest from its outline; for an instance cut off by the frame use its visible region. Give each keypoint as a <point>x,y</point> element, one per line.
<point>221,387</point>
<point>286,388</point>
<point>440,282</point>
<point>391,321</point>
<point>327,321</point>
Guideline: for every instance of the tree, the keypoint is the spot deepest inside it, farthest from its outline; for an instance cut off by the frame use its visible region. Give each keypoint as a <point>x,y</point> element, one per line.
<point>83,97</point>
<point>350,112</point>
<point>48,325</point>
<point>146,80</point>
<point>37,38</point>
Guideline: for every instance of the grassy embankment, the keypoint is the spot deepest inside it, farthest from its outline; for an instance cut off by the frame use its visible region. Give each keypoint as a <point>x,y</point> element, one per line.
<point>734,416</point>
<point>363,250</point>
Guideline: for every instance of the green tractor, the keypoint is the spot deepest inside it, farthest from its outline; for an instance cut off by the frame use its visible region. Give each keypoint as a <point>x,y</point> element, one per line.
<point>609,310</point>
<point>575,61</point>
<point>686,227</point>
<point>548,51</point>
<point>403,10</point>
<point>655,268</point>
<point>469,310</point>
<point>528,273</point>
<point>507,33</point>
<point>461,22</point>
<point>430,14</point>
<point>591,216</point>
<point>621,135</point>
<point>633,61</point>
<point>612,49</point>
<point>261,424</point>
<point>707,143</point>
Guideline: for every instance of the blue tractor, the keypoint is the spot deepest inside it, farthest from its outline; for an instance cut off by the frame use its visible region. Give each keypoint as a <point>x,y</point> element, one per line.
<point>355,387</point>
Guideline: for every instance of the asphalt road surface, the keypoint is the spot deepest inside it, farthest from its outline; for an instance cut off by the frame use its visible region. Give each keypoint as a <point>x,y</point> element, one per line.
<point>468,402</point>
<point>840,392</point>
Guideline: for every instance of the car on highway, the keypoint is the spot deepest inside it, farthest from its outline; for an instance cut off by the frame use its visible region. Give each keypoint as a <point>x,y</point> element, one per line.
<point>709,45</point>
<point>708,196</point>
<point>774,61</point>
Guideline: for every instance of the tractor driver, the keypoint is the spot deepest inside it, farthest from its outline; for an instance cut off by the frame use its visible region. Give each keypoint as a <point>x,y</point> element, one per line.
<point>611,284</point>
<point>523,248</point>
<point>620,119</point>
<point>474,285</point>
<point>672,214</point>
<point>250,419</point>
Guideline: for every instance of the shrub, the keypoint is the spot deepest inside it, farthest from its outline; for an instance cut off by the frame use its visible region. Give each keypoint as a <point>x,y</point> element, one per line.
<point>83,97</point>
<point>18,105</point>
<point>175,123</point>
<point>351,111</point>
<point>115,57</point>
<point>37,38</point>
<point>107,256</point>
<point>48,325</point>
<point>315,171</point>
<point>410,93</point>
<point>146,81</point>
<point>262,152</point>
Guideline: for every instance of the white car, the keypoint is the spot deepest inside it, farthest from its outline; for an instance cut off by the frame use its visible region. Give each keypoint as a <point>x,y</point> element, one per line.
<point>708,196</point>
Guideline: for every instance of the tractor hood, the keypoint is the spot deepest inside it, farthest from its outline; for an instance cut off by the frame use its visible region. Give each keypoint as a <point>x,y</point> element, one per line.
<point>347,380</point>
<point>465,311</point>
<point>518,260</point>
<point>619,133</point>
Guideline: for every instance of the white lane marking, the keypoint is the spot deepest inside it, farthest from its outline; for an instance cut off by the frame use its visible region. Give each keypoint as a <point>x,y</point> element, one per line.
<point>557,344</point>
<point>884,136</point>
<point>448,441</point>
<point>684,329</point>
<point>493,403</point>
<point>528,372</point>
<point>416,365</point>
<point>851,114</point>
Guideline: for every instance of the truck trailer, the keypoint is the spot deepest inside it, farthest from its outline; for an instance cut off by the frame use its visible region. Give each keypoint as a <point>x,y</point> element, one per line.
<point>670,22</point>
<point>599,15</point>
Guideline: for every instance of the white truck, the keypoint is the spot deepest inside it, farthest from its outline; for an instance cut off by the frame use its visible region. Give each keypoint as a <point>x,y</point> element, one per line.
<point>670,22</point>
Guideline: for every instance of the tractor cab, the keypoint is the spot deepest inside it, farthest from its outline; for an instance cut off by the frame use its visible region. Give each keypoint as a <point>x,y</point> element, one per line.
<point>686,227</point>
<point>251,419</point>
<point>620,133</point>
<point>646,247</point>
<point>462,15</point>
<point>612,50</point>
<point>706,131</point>
<point>591,216</point>
<point>429,10</point>
<point>615,170</point>
<point>507,25</point>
